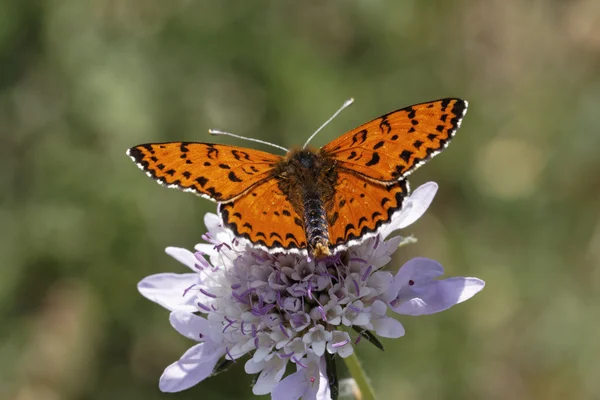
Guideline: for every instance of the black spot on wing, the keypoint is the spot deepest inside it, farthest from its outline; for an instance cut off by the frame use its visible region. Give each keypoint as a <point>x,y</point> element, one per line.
<point>233,178</point>
<point>374,160</point>
<point>187,174</point>
<point>405,155</point>
<point>213,193</point>
<point>224,166</point>
<point>348,228</point>
<point>385,126</point>
<point>359,137</point>
<point>202,181</point>
<point>334,218</point>
<point>378,145</point>
<point>445,104</point>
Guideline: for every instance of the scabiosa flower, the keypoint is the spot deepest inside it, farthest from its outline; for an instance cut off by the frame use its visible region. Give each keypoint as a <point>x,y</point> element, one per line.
<point>278,309</point>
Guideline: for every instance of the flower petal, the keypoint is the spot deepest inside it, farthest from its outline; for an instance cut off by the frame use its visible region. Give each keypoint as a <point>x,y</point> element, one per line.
<point>436,296</point>
<point>292,387</point>
<point>193,367</point>
<point>415,207</point>
<point>212,222</point>
<point>270,376</point>
<point>184,256</point>
<point>169,290</point>
<point>418,270</point>
<point>388,327</point>
<point>190,325</point>
<point>420,200</point>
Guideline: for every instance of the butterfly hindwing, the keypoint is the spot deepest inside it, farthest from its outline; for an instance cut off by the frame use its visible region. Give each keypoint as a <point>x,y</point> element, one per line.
<point>265,217</point>
<point>394,145</point>
<point>214,171</point>
<point>360,207</point>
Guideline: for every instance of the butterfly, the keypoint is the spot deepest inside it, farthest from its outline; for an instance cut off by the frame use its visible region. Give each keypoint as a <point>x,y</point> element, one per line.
<point>316,201</point>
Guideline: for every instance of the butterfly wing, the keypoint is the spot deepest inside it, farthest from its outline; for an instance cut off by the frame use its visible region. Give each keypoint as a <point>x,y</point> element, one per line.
<point>394,145</point>
<point>264,216</point>
<point>360,207</point>
<point>214,171</point>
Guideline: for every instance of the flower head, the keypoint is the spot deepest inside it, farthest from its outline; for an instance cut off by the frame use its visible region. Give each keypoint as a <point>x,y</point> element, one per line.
<point>282,308</point>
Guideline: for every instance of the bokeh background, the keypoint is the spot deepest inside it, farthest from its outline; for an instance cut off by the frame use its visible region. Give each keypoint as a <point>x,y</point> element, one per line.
<point>518,205</point>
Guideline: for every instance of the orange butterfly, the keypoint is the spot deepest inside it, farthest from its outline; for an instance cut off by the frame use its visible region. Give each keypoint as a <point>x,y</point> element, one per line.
<point>320,201</point>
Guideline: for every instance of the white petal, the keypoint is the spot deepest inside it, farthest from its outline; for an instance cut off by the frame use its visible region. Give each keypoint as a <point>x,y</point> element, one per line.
<point>413,209</point>
<point>168,290</point>
<point>189,325</point>
<point>437,296</point>
<point>184,256</point>
<point>319,347</point>
<point>420,200</point>
<point>205,248</point>
<point>193,367</point>
<point>292,387</point>
<point>345,351</point>
<point>212,222</point>
<point>324,392</point>
<point>388,327</point>
<point>270,376</point>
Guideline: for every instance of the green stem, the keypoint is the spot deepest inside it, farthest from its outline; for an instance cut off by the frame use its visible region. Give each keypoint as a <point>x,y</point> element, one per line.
<point>360,377</point>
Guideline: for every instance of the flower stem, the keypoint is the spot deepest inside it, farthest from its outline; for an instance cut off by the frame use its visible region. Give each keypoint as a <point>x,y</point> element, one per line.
<point>360,377</point>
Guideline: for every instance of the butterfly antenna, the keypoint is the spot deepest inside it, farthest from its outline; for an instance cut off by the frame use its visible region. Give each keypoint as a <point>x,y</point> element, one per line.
<point>346,104</point>
<point>217,133</point>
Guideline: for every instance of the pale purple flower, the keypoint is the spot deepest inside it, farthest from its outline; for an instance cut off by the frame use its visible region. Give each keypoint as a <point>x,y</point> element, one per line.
<point>281,308</point>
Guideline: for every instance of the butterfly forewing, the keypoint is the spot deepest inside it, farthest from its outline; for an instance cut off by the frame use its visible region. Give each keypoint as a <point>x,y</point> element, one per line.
<point>265,217</point>
<point>361,206</point>
<point>214,171</point>
<point>394,145</point>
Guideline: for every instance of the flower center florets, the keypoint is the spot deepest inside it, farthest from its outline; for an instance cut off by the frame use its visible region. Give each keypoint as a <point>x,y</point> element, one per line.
<point>286,304</point>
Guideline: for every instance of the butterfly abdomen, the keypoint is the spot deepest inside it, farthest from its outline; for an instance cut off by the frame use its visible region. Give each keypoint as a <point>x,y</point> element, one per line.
<point>315,223</point>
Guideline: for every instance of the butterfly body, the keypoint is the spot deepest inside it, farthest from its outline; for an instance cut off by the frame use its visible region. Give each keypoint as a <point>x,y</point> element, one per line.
<point>315,201</point>
<point>308,179</point>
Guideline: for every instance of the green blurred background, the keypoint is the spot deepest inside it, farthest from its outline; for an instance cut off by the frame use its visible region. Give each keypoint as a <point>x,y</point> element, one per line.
<point>518,205</point>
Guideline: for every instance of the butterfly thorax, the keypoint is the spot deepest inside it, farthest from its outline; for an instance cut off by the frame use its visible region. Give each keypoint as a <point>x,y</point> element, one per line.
<point>307,178</point>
